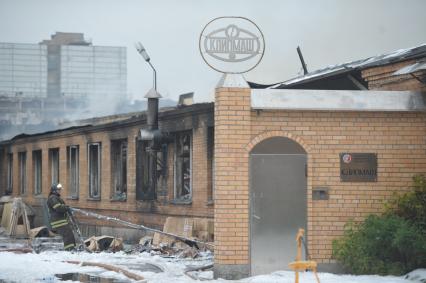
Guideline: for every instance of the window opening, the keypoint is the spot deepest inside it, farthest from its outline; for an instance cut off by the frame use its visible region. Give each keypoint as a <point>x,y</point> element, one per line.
<point>22,157</point>
<point>73,170</point>
<point>119,169</point>
<point>94,152</point>
<point>37,171</point>
<point>9,187</point>
<point>143,189</point>
<point>183,174</point>
<point>54,165</point>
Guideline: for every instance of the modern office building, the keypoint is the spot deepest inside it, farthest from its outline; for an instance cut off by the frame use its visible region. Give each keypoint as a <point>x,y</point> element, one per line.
<point>23,70</point>
<point>41,84</point>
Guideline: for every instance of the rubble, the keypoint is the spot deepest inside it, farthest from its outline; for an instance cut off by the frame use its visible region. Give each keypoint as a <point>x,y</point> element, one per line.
<point>180,238</point>
<point>201,229</point>
<point>38,232</point>
<point>145,241</point>
<point>192,242</point>
<point>194,230</point>
<point>104,243</point>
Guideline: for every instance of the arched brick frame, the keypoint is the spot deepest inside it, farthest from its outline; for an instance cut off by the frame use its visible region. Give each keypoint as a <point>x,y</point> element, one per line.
<point>271,134</point>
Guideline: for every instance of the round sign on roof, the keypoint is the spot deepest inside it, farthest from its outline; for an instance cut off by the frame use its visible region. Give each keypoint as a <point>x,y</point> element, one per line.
<point>232,45</point>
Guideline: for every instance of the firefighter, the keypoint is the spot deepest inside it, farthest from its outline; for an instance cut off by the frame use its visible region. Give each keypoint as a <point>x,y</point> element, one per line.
<point>59,217</point>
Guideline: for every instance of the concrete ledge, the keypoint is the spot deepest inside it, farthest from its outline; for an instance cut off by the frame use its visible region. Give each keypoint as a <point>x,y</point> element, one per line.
<point>331,268</point>
<point>231,271</point>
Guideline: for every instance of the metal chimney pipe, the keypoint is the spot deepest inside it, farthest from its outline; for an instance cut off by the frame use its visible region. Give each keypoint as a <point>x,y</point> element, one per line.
<point>152,114</point>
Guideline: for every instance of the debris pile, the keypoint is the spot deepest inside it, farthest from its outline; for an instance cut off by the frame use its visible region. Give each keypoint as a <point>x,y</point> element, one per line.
<point>181,237</point>
<point>195,230</point>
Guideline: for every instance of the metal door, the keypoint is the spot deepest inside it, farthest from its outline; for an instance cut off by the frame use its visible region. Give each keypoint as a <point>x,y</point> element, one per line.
<point>278,208</point>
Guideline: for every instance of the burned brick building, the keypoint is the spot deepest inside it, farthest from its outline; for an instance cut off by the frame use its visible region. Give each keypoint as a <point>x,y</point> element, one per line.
<point>104,167</point>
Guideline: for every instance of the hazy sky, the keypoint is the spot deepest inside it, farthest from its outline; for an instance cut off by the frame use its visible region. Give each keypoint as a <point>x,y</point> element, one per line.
<point>328,32</point>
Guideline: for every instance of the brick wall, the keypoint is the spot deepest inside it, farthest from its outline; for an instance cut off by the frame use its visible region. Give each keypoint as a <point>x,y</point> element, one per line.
<point>232,134</point>
<point>382,78</point>
<point>129,210</point>
<point>398,138</point>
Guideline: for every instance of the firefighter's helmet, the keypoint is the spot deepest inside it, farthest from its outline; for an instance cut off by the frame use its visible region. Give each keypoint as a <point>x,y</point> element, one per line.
<point>55,188</point>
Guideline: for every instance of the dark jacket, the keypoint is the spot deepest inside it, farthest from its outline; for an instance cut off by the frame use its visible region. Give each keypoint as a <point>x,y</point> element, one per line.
<point>57,210</point>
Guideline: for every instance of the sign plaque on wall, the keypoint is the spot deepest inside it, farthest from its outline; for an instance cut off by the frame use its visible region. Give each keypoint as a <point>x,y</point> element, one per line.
<point>358,167</point>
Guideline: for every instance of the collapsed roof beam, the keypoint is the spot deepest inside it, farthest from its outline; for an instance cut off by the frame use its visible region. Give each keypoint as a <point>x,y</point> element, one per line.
<point>357,83</point>
<point>305,69</point>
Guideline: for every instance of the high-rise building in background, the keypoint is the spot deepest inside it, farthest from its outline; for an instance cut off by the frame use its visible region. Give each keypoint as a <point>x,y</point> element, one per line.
<point>63,77</point>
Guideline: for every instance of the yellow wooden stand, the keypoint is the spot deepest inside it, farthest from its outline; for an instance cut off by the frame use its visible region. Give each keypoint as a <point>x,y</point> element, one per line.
<point>300,265</point>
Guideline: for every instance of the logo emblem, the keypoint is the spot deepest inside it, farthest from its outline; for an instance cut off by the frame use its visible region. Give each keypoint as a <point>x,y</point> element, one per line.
<point>347,158</point>
<point>231,44</point>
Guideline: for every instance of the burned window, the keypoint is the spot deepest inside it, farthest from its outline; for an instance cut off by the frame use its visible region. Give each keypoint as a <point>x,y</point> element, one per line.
<point>119,169</point>
<point>73,170</point>
<point>94,154</point>
<point>182,167</point>
<point>210,164</point>
<point>9,187</point>
<point>37,171</point>
<point>143,189</point>
<point>54,165</point>
<point>22,159</point>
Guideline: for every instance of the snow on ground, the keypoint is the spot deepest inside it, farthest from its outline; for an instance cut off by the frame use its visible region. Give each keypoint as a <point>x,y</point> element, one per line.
<point>27,268</point>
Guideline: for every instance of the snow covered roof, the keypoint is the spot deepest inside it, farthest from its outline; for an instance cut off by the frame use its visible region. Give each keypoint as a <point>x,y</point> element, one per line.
<point>418,66</point>
<point>333,70</point>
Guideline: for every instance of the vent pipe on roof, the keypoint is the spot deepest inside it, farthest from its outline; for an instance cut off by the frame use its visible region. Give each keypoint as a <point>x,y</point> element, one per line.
<point>305,69</point>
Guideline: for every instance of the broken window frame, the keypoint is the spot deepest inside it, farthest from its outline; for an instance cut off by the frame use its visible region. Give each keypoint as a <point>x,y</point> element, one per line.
<point>37,172</point>
<point>73,167</point>
<point>94,170</point>
<point>182,160</point>
<point>54,165</point>
<point>22,177</point>
<point>119,150</point>
<point>9,187</point>
<point>210,165</point>
<point>143,191</point>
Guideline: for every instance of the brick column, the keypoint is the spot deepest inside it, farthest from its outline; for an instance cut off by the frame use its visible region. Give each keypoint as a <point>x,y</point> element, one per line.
<point>231,214</point>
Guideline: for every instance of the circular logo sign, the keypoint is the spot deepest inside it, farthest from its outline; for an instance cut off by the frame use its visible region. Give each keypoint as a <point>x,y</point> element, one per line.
<point>232,44</point>
<point>347,158</point>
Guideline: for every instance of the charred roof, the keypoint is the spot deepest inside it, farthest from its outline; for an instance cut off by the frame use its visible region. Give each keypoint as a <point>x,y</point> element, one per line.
<point>98,123</point>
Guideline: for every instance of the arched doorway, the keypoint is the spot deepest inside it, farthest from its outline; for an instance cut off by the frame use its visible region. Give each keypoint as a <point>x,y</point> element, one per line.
<point>278,202</point>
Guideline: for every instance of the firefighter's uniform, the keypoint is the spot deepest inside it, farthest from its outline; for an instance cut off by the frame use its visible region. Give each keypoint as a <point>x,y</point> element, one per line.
<point>59,217</point>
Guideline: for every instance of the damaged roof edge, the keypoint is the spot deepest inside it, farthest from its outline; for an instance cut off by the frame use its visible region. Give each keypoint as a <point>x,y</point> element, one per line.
<point>338,69</point>
<point>165,113</point>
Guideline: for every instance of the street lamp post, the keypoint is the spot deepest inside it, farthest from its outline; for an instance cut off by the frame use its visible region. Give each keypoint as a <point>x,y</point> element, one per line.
<point>142,51</point>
